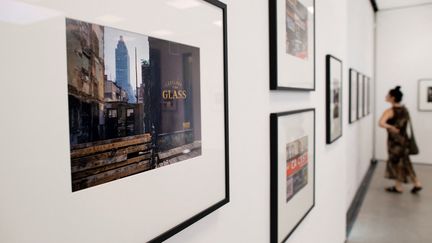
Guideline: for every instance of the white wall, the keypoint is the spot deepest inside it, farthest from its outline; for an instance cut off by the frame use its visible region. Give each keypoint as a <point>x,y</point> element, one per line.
<point>360,56</point>
<point>343,29</point>
<point>404,55</point>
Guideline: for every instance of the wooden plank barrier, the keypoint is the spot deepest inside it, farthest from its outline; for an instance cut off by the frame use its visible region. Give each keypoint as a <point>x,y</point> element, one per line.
<point>103,161</point>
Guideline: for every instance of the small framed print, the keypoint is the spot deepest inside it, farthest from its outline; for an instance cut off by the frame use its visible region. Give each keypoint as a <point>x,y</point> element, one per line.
<point>368,95</point>
<point>353,95</point>
<point>333,99</point>
<point>364,98</point>
<point>360,78</point>
<point>425,95</point>
<point>292,171</point>
<point>292,44</point>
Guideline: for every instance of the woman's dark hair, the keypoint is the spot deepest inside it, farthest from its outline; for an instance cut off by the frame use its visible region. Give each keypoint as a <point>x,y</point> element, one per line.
<point>396,94</point>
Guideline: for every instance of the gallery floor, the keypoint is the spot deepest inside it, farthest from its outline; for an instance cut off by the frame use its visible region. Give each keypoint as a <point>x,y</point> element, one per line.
<point>395,218</point>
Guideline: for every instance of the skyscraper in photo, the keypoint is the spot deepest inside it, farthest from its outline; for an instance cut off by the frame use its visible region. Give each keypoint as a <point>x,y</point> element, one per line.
<point>123,69</point>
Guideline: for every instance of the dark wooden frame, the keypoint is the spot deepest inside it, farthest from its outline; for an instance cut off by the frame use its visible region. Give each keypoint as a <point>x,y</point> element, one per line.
<point>274,117</point>
<point>169,233</point>
<point>274,50</point>
<point>328,98</point>
<point>353,119</point>
<point>418,94</point>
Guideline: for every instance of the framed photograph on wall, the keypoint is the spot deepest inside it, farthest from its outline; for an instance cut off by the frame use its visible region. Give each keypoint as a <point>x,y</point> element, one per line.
<point>143,106</point>
<point>292,44</point>
<point>353,95</point>
<point>334,119</point>
<point>363,87</point>
<point>292,171</point>
<point>425,95</point>
<point>368,95</point>
<point>360,95</point>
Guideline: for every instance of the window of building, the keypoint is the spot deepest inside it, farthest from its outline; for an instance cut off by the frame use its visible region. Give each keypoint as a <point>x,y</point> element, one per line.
<point>112,113</point>
<point>129,112</point>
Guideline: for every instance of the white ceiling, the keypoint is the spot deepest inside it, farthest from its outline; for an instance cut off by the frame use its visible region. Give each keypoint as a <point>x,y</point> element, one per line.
<point>388,4</point>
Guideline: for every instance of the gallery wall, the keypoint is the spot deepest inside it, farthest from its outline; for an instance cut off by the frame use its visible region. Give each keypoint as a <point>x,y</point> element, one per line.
<point>360,56</point>
<point>344,29</point>
<point>404,55</point>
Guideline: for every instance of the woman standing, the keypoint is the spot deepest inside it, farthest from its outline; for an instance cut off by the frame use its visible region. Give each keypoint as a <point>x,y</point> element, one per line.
<point>399,166</point>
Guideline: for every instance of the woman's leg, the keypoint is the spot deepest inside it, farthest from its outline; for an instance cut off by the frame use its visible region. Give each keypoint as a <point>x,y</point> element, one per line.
<point>398,185</point>
<point>416,181</point>
<point>409,168</point>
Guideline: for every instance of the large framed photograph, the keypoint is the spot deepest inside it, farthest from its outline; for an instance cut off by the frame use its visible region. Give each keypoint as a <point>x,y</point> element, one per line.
<point>333,98</point>
<point>153,107</point>
<point>292,44</point>
<point>353,95</point>
<point>361,95</point>
<point>292,171</point>
<point>425,95</point>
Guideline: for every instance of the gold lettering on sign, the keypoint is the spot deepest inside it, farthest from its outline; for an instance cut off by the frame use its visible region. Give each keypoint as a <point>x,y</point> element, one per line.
<point>173,83</point>
<point>186,125</point>
<point>174,94</point>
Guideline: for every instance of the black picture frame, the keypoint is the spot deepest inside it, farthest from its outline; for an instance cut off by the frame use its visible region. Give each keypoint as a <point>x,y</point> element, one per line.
<point>335,99</point>
<point>274,170</point>
<point>188,222</point>
<point>353,95</point>
<point>364,95</point>
<point>360,99</point>
<point>366,87</point>
<point>423,95</point>
<point>368,95</point>
<point>273,41</point>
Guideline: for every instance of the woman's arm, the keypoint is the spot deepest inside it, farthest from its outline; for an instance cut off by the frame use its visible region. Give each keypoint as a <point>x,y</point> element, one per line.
<point>383,121</point>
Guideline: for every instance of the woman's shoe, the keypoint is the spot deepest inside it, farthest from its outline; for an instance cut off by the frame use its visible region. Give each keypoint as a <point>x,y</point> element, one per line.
<point>416,189</point>
<point>393,189</point>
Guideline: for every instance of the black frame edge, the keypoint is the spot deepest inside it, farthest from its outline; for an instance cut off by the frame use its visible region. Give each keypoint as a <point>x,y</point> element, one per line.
<point>273,169</point>
<point>327,103</point>
<point>273,177</point>
<point>358,95</point>
<point>368,98</point>
<point>364,96</point>
<point>273,44</point>
<point>176,229</point>
<point>374,5</point>
<point>188,222</point>
<point>350,104</point>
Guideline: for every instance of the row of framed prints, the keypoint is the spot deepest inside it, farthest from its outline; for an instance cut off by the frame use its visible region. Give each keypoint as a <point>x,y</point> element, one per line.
<point>292,148</point>
<point>137,103</point>
<point>141,105</point>
<point>359,95</point>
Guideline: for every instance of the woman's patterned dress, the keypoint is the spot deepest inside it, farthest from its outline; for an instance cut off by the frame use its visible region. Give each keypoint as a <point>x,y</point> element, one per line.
<point>399,166</point>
